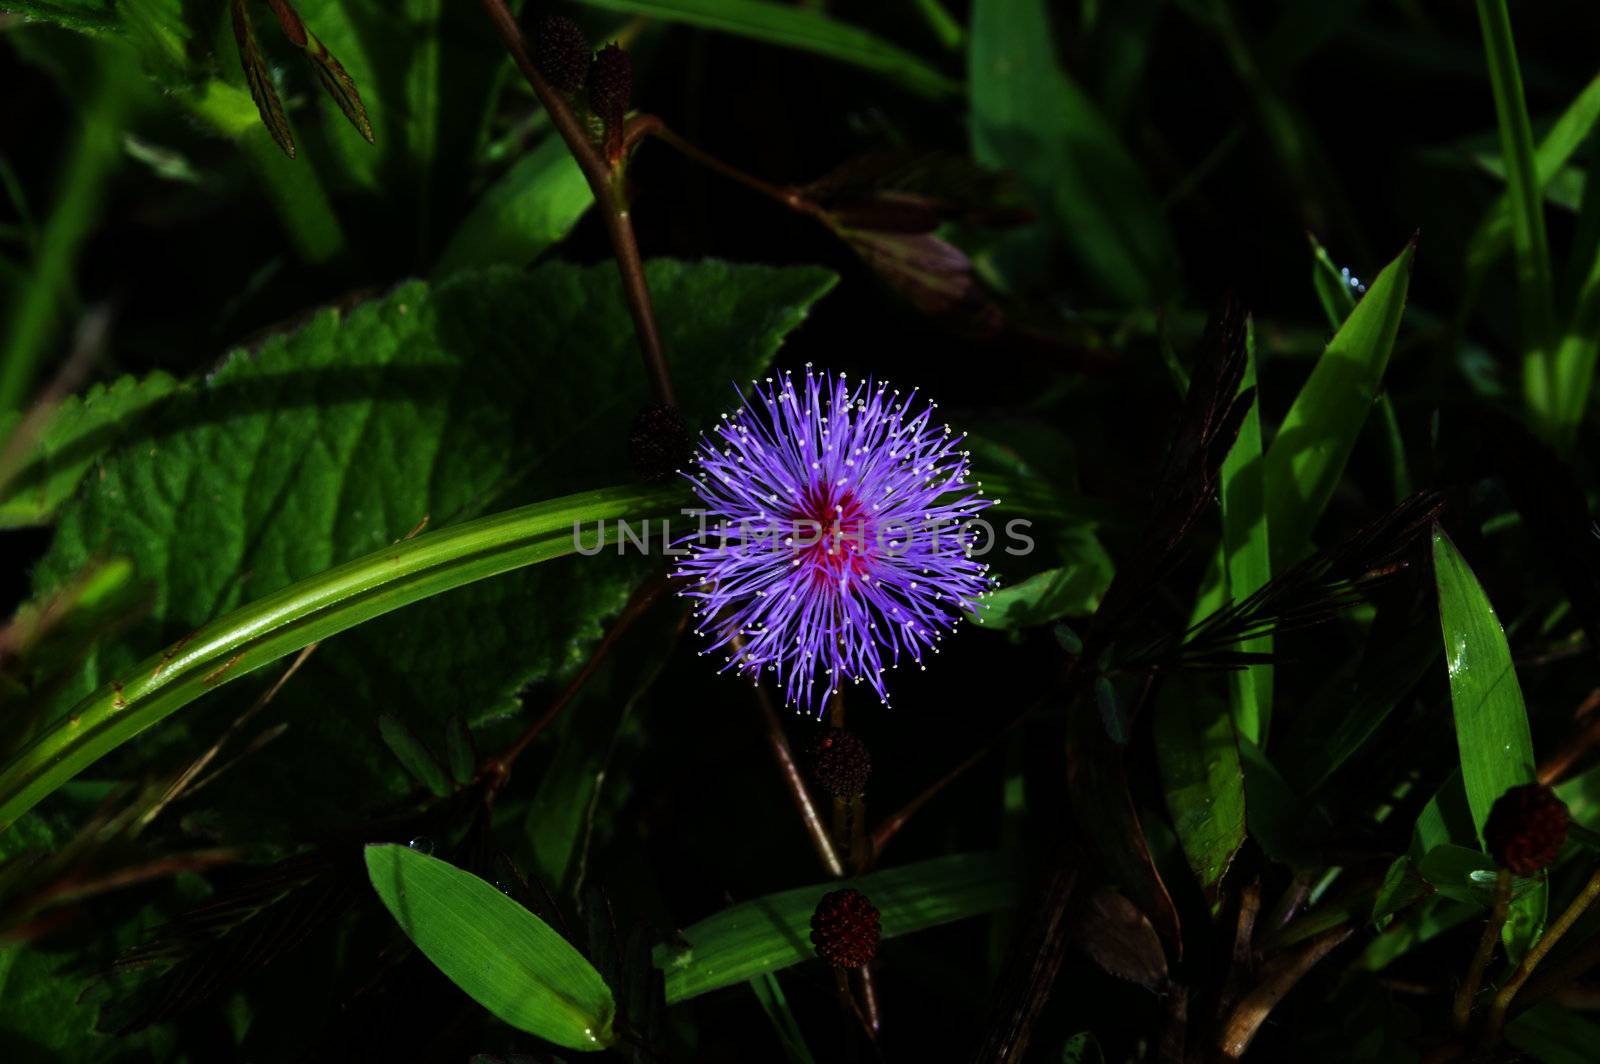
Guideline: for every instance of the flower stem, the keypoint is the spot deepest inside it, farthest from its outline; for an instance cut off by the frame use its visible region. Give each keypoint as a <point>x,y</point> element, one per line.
<point>1552,935</point>
<point>1480,959</point>
<point>827,853</point>
<point>605,181</point>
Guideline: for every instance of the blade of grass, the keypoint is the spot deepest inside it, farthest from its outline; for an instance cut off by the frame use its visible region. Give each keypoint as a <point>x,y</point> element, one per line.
<point>1247,559</point>
<point>1308,456</point>
<point>1491,721</point>
<point>773,932</point>
<point>1580,343</point>
<point>776,1006</point>
<point>1493,235</point>
<point>501,955</point>
<point>1535,280</point>
<point>305,613</point>
<point>794,26</point>
<point>37,307</point>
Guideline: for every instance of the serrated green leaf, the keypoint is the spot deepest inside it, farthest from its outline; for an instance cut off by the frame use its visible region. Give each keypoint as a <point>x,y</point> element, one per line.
<point>531,206</point>
<point>791,26</point>
<point>337,440</point>
<point>1308,455</point>
<point>500,954</point>
<point>1029,116</point>
<point>773,932</point>
<point>1491,720</point>
<point>48,467</point>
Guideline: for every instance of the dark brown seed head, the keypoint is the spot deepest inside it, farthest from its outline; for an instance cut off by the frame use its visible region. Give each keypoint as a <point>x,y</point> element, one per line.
<point>659,443</point>
<point>610,84</point>
<point>1526,828</point>
<point>844,929</point>
<point>561,52</point>
<point>840,763</point>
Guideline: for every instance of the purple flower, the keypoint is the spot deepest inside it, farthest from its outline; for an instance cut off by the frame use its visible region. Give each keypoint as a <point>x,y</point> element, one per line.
<point>840,536</point>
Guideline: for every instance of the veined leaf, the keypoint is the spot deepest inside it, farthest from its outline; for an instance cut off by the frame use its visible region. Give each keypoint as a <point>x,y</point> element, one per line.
<point>1308,455</point>
<point>333,442</point>
<point>796,27</point>
<point>504,957</point>
<point>1491,721</point>
<point>773,932</point>
<point>258,75</point>
<point>1029,116</point>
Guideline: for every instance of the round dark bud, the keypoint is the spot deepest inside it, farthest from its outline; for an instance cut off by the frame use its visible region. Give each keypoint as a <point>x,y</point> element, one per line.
<point>845,930</point>
<point>840,763</point>
<point>1526,828</point>
<point>659,443</point>
<point>610,85</point>
<point>561,52</point>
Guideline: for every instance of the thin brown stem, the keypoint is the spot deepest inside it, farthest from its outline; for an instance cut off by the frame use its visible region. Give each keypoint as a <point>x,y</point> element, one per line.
<point>1485,952</point>
<point>605,181</point>
<point>891,825</point>
<point>497,770</point>
<point>789,771</point>
<point>651,126</point>
<point>1280,976</point>
<point>1536,953</point>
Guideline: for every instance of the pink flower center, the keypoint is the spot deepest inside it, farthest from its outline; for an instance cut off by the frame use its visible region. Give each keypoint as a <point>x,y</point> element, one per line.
<point>834,537</point>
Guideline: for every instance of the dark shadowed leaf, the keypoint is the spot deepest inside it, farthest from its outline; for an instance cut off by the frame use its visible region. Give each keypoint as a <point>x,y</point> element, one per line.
<point>1199,759</point>
<point>258,75</point>
<point>415,757</point>
<point>1116,935</point>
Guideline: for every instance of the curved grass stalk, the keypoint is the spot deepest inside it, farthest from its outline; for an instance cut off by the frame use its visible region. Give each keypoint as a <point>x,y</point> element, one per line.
<point>303,613</point>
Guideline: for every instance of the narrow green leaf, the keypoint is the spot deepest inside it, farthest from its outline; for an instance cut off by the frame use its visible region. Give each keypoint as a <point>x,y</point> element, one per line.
<point>1524,190</point>
<point>1580,343</point>
<point>1554,1035</point>
<point>1308,455</point>
<point>773,932</point>
<point>504,957</point>
<point>413,756</point>
<point>1492,238</point>
<point>1029,116</point>
<point>1491,721</point>
<point>796,26</point>
<point>776,1006</point>
<point>1246,555</point>
<point>1335,288</point>
<point>305,613</point>
<point>531,206</point>
<point>460,752</point>
<point>1204,784</point>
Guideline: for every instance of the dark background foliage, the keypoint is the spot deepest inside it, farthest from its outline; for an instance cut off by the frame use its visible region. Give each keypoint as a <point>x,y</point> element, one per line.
<point>1362,123</point>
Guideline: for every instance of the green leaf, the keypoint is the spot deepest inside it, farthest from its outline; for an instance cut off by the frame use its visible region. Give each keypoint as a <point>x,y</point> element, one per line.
<point>1029,116</point>
<point>504,957</point>
<point>416,758</point>
<point>333,442</point>
<point>1045,597</point>
<point>787,1028</point>
<point>1554,1035</point>
<point>460,752</point>
<point>258,76</point>
<point>1335,288</point>
<point>531,206</point>
<point>1491,721</point>
<point>794,26</point>
<point>1308,455</point>
<point>1524,191</point>
<point>1198,756</point>
<point>773,932</point>
<point>48,467</point>
<point>1246,557</point>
